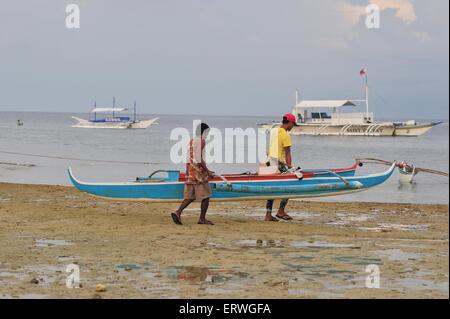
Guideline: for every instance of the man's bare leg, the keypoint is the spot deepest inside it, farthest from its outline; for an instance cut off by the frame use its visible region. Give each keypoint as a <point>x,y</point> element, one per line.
<point>203,209</point>
<point>185,203</point>
<point>269,216</point>
<point>281,213</point>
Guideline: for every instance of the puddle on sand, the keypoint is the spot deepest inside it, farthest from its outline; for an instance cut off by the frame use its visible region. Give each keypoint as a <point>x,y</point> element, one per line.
<point>43,274</point>
<point>303,258</point>
<point>345,219</point>
<point>306,267</point>
<point>322,294</point>
<point>359,261</point>
<point>422,284</point>
<point>40,200</point>
<point>216,291</point>
<point>259,243</point>
<point>318,244</point>
<point>397,254</point>
<point>326,273</point>
<point>52,242</point>
<point>129,266</point>
<point>386,227</point>
<point>205,274</point>
<point>67,258</point>
<point>24,236</point>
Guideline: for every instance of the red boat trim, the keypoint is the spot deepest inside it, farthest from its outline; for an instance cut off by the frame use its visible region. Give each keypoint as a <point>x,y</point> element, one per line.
<point>234,177</point>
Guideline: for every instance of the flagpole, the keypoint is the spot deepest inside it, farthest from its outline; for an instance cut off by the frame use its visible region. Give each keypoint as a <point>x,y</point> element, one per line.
<point>367,99</point>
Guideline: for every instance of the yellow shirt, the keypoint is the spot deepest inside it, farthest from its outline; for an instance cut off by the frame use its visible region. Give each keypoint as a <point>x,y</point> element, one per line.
<point>279,139</point>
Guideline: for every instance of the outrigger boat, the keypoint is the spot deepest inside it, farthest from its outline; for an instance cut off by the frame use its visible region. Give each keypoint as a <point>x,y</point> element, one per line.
<point>235,187</point>
<point>313,120</point>
<point>117,122</point>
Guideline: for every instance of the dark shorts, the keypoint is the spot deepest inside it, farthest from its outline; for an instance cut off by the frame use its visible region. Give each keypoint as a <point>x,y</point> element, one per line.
<point>197,191</point>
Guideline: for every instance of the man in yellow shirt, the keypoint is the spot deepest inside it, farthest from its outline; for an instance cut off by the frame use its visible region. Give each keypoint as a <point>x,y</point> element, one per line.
<point>280,154</point>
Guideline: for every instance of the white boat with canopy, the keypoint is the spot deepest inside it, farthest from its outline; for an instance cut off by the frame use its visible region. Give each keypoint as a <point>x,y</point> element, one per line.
<point>326,117</point>
<point>113,121</point>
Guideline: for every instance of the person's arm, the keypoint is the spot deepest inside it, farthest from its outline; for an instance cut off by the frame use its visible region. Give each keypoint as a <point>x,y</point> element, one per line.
<point>287,152</point>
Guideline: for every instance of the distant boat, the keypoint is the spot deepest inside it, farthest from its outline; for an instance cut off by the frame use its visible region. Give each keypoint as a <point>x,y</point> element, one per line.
<point>113,121</point>
<point>311,120</point>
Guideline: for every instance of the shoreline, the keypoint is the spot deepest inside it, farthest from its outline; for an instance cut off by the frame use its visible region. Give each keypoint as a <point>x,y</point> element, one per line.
<point>325,199</point>
<point>136,251</point>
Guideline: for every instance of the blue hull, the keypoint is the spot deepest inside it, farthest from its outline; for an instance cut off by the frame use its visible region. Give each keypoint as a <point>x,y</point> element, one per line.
<point>168,191</point>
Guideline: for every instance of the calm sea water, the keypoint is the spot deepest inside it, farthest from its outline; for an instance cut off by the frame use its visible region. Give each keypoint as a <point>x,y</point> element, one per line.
<point>56,146</point>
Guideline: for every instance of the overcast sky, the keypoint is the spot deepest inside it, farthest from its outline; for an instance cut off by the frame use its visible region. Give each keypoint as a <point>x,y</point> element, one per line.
<point>224,57</point>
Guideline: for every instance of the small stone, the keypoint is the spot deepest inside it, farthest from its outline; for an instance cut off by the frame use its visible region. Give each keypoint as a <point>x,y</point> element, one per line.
<point>100,288</point>
<point>34,281</point>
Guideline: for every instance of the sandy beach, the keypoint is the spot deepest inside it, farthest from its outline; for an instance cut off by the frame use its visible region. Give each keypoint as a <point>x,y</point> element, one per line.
<point>136,251</point>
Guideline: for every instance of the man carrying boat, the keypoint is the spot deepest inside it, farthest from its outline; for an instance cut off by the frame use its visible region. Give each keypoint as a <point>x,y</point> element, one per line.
<point>280,155</point>
<point>197,185</point>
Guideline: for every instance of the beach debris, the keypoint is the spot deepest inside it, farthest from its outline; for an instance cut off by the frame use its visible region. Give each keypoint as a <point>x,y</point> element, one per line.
<point>34,281</point>
<point>100,288</point>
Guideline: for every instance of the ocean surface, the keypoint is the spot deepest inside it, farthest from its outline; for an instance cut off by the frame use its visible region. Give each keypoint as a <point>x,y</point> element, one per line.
<point>40,151</point>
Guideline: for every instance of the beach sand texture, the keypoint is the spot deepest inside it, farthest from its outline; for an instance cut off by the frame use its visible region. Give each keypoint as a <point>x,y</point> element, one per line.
<point>135,250</point>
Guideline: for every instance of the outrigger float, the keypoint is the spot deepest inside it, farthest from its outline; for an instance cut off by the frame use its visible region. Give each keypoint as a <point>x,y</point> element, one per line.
<point>236,187</point>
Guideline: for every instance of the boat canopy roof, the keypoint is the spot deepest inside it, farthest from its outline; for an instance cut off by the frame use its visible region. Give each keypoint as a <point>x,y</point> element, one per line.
<point>324,103</point>
<point>108,109</point>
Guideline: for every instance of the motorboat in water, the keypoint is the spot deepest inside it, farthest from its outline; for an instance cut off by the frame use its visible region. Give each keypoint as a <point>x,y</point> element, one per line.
<point>324,117</point>
<point>114,121</point>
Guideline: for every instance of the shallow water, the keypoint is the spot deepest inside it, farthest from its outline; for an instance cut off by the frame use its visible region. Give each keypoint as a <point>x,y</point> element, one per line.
<point>51,134</point>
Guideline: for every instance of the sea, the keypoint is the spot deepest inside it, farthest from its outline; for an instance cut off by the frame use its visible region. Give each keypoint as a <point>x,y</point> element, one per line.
<point>41,151</point>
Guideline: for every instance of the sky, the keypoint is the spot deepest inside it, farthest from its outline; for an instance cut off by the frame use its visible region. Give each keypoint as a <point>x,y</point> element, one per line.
<point>224,57</point>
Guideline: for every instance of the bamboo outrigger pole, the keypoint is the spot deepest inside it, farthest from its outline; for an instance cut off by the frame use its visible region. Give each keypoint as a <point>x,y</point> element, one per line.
<point>401,164</point>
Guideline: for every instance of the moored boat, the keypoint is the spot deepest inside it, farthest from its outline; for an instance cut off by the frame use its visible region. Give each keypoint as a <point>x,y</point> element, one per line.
<point>324,117</point>
<point>235,187</point>
<point>116,122</point>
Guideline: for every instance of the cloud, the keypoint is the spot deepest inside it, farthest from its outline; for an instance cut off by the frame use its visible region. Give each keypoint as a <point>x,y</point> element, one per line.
<point>404,10</point>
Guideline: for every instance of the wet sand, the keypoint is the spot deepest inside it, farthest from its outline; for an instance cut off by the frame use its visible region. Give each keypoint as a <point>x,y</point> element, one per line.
<point>136,251</point>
